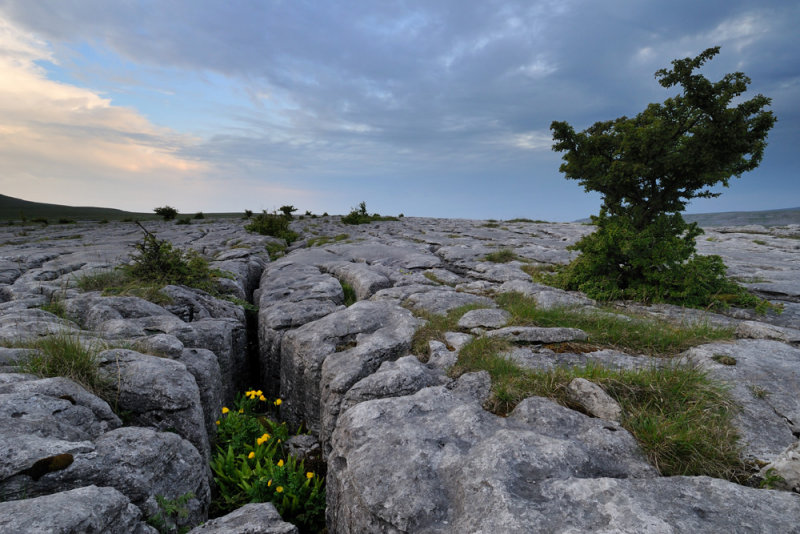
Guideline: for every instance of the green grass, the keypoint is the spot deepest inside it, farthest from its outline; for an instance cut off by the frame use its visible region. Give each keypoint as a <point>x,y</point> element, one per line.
<point>638,334</point>
<point>64,354</point>
<point>325,239</point>
<point>349,294</point>
<point>680,417</point>
<point>504,255</point>
<point>435,327</point>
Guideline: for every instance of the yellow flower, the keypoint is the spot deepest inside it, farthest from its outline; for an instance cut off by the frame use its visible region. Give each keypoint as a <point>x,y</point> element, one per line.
<point>251,394</point>
<point>279,489</point>
<point>262,398</point>
<point>259,393</point>
<point>280,463</point>
<point>225,409</point>
<point>217,421</point>
<point>241,410</point>
<point>251,455</point>
<point>278,402</point>
<point>263,438</point>
<point>309,474</point>
<point>269,483</point>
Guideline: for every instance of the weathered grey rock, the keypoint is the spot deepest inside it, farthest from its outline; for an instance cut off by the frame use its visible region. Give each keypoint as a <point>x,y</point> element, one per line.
<point>194,304</point>
<point>460,460</point>
<point>441,301</point>
<point>87,510</point>
<point>446,277</point>
<point>537,334</point>
<point>139,462</point>
<point>324,358</point>
<point>546,359</point>
<point>765,383</point>
<point>252,518</point>
<point>204,367</point>
<point>786,466</point>
<point>498,272</point>
<point>545,297</point>
<point>457,339</point>
<point>403,376</point>
<point>487,318</point>
<point>439,355</point>
<point>165,345</point>
<point>593,399</point>
<point>758,330</point>
<point>364,280</point>
<point>158,393</point>
<point>629,505</point>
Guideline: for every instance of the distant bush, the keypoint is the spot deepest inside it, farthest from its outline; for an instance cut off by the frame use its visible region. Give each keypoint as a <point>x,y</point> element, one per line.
<point>184,220</point>
<point>66,221</point>
<point>360,216</point>
<point>287,211</point>
<point>199,215</point>
<point>41,220</point>
<point>167,212</point>
<point>248,214</point>
<point>272,224</point>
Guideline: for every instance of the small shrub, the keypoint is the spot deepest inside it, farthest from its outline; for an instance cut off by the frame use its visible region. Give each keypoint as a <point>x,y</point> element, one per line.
<point>199,215</point>
<point>360,216</point>
<point>41,220</point>
<point>171,513</point>
<point>272,224</point>
<point>66,221</point>
<point>166,212</point>
<point>248,214</point>
<point>183,220</point>
<point>275,250</point>
<point>503,255</point>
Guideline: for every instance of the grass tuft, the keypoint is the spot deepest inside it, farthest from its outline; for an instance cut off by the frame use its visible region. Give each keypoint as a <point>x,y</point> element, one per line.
<point>680,417</point>
<point>638,334</point>
<point>435,327</point>
<point>66,355</point>
<point>504,255</point>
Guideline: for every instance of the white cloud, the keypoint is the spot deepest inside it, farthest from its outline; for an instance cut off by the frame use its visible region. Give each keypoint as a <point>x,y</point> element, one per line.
<point>534,140</point>
<point>51,131</point>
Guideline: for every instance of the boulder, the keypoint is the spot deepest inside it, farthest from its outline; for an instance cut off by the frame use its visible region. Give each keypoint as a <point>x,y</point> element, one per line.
<point>158,393</point>
<point>86,510</point>
<point>252,518</point>
<point>537,334</point>
<point>485,318</point>
<point>593,399</point>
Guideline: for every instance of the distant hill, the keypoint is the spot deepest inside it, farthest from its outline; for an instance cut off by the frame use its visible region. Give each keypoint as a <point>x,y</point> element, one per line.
<point>780,217</point>
<point>16,209</point>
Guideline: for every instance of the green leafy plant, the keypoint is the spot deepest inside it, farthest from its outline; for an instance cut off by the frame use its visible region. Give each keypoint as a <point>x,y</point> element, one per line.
<point>287,211</point>
<point>251,465</point>
<point>166,212</point>
<point>171,513</point>
<point>349,294</point>
<point>248,214</point>
<point>648,168</point>
<point>772,480</point>
<point>272,224</point>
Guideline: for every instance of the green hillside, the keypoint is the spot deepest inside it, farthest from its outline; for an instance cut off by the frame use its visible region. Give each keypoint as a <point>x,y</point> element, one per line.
<point>16,209</point>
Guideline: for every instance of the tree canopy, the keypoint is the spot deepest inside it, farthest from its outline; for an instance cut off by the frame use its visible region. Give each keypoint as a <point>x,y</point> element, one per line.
<point>647,169</point>
<point>657,161</point>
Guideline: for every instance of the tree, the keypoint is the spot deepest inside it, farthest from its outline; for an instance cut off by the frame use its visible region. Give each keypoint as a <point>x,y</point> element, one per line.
<point>647,169</point>
<point>287,211</point>
<point>167,212</point>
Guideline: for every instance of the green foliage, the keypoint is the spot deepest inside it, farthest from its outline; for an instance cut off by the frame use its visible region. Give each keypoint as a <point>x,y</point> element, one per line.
<point>171,513</point>
<point>251,465</point>
<point>648,168</point>
<point>184,220</point>
<point>504,255</point>
<point>349,294</point>
<point>158,262</point>
<point>360,216</point>
<point>248,214</point>
<point>64,354</point>
<point>272,224</point>
<point>772,480</point>
<point>41,220</point>
<point>199,215</point>
<point>325,239</point>
<point>66,221</point>
<point>275,250</point>
<point>166,212</point>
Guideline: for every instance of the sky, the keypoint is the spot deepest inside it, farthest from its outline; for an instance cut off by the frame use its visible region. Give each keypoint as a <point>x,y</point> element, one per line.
<point>434,108</point>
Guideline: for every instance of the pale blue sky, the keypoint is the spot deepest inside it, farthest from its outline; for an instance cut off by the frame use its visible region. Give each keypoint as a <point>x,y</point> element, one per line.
<point>434,108</point>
